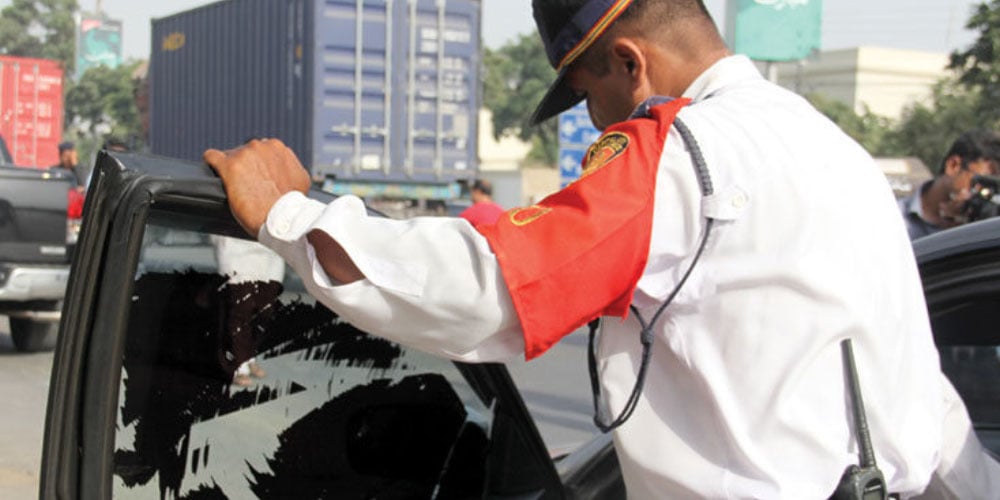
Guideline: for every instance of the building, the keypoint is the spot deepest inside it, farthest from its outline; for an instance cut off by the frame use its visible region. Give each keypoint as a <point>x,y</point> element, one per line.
<point>884,80</point>
<point>503,162</point>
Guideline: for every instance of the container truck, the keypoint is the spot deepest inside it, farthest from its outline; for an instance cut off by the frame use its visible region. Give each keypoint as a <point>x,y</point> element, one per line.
<point>376,97</point>
<point>31,109</point>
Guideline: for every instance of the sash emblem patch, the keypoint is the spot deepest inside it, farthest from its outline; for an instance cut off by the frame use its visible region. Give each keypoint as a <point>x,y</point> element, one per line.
<point>607,148</point>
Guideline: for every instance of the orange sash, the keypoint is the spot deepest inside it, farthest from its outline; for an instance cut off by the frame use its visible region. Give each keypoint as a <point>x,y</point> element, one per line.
<point>579,253</point>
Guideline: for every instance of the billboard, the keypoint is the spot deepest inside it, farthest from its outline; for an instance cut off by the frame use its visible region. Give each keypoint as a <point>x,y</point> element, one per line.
<point>774,30</point>
<point>99,42</point>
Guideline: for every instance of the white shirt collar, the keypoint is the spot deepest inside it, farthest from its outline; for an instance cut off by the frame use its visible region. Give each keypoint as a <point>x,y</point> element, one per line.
<point>724,72</point>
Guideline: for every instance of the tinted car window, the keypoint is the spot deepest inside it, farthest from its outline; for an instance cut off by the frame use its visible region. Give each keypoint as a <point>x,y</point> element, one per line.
<point>968,337</point>
<point>337,413</point>
<point>961,275</point>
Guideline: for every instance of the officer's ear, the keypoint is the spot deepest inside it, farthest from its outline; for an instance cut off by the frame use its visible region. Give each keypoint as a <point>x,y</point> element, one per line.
<point>628,57</point>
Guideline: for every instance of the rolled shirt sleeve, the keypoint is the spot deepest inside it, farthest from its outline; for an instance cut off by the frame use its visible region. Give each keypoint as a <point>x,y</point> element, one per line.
<point>431,283</point>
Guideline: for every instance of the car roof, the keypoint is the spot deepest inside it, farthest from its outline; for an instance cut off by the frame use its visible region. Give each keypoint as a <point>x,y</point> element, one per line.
<point>963,239</point>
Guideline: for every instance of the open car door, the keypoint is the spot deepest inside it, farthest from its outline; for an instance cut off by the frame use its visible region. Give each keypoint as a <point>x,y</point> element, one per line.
<point>960,269</point>
<point>168,298</point>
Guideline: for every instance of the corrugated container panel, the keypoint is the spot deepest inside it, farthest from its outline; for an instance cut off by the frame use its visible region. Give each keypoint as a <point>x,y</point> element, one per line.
<point>228,72</point>
<point>380,90</point>
<point>31,109</point>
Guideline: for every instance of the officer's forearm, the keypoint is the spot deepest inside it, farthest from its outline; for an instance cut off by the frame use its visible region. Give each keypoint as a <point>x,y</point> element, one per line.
<point>334,259</point>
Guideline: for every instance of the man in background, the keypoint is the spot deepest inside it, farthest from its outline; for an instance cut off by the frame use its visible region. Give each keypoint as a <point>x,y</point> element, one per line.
<point>68,160</point>
<point>940,202</point>
<point>483,210</point>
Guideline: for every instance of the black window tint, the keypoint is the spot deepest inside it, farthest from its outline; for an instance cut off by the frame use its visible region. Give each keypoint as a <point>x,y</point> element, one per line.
<point>968,337</point>
<point>337,413</point>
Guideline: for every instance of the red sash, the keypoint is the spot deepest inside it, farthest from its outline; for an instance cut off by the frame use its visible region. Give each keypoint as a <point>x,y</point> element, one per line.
<point>579,253</point>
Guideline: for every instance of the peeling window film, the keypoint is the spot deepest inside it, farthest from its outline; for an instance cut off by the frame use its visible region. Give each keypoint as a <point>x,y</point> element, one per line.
<point>331,412</point>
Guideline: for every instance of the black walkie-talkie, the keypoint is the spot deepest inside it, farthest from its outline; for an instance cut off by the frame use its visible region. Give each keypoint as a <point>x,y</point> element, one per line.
<point>864,481</point>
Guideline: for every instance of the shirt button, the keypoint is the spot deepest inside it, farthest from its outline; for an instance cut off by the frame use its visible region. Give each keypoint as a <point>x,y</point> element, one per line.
<point>739,200</point>
<point>283,227</point>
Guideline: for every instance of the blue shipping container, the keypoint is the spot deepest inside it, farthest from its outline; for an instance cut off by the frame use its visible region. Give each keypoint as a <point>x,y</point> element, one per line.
<point>363,90</point>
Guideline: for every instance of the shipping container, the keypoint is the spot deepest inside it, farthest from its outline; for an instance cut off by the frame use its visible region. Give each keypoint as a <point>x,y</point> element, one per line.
<point>362,90</point>
<point>31,109</point>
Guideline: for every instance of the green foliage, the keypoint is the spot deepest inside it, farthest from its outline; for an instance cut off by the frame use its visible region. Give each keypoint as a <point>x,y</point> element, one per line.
<point>978,66</point>
<point>970,98</point>
<point>40,28</point>
<point>103,102</point>
<point>515,77</point>
<point>927,130</point>
<point>924,130</point>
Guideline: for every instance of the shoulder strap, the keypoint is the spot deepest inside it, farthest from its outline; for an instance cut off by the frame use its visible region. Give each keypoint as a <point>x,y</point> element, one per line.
<point>646,334</point>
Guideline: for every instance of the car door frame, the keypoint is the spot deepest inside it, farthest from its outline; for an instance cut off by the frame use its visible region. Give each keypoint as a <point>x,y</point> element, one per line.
<point>83,399</point>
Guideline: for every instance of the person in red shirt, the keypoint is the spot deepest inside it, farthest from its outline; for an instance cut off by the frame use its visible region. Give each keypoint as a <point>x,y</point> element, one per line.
<point>484,210</point>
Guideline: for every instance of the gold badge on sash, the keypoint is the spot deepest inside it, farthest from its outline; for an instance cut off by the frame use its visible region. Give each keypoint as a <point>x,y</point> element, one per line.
<point>607,148</point>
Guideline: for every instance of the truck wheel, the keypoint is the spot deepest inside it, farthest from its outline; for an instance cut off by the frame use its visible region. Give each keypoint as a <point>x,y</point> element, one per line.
<point>30,336</point>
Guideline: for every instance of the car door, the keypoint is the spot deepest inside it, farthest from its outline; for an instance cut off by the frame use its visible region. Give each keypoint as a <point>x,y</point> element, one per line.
<point>960,269</point>
<point>168,298</point>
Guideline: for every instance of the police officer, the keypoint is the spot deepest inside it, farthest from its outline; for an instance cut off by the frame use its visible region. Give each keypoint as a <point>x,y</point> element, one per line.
<point>704,194</point>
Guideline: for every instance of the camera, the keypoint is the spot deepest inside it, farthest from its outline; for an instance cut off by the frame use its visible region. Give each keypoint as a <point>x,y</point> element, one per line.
<point>985,202</point>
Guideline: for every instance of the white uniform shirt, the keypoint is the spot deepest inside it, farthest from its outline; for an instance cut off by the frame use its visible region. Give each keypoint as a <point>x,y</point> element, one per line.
<point>745,396</point>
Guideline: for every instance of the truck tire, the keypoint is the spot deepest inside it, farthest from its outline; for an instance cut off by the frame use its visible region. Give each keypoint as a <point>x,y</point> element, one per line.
<point>32,336</point>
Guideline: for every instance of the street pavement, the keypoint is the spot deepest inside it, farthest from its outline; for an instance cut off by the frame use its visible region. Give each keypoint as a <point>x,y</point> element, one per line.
<point>24,388</point>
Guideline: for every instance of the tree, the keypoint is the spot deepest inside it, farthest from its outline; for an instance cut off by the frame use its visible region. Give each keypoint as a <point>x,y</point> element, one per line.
<point>924,130</point>
<point>40,28</point>
<point>978,66</point>
<point>516,77</point>
<point>103,102</point>
<point>927,130</point>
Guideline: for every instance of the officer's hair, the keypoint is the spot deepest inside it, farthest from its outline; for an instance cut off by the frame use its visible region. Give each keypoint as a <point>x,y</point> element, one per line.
<point>649,19</point>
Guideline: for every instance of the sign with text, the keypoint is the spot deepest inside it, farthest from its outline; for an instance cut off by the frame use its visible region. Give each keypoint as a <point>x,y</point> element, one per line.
<point>99,42</point>
<point>774,30</point>
<point>576,134</point>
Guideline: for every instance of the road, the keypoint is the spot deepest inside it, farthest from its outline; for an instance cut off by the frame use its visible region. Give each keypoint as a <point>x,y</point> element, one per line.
<point>24,388</point>
<point>555,387</point>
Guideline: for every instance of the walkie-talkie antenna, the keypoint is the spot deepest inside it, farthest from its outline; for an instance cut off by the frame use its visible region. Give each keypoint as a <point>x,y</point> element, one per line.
<point>866,454</point>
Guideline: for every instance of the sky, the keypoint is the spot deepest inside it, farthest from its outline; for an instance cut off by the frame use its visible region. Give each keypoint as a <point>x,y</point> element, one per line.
<point>931,25</point>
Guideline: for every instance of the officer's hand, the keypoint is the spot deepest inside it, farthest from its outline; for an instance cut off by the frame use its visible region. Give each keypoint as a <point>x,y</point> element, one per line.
<point>255,175</point>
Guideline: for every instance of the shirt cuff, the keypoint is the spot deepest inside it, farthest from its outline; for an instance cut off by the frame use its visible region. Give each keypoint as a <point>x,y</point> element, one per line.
<point>290,219</point>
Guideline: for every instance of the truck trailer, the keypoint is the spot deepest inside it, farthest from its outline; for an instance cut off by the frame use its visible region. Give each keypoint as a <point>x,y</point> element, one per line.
<point>376,97</point>
<point>31,109</point>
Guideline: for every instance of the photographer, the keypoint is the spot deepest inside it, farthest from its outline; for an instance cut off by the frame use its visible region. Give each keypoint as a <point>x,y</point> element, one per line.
<point>943,202</point>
